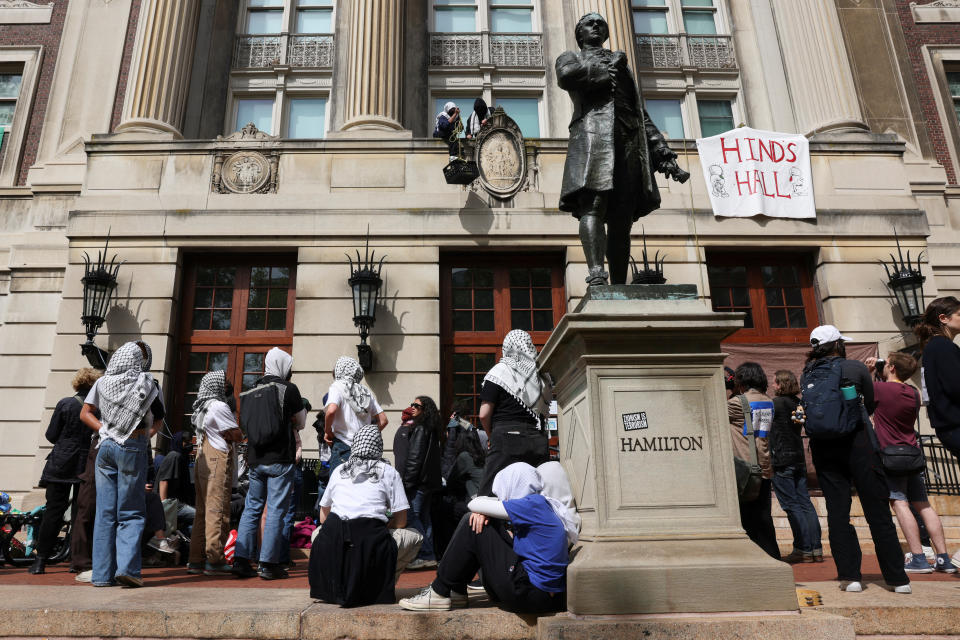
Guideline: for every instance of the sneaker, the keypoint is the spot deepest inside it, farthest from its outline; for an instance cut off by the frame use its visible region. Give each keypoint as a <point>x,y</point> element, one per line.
<point>242,568</point>
<point>944,564</point>
<point>955,560</point>
<point>917,564</point>
<point>270,571</point>
<point>426,599</point>
<point>797,557</point>
<point>904,588</point>
<point>475,587</point>
<point>217,570</point>
<point>929,553</point>
<point>131,582</point>
<point>818,555</point>
<point>421,563</point>
<point>853,587</point>
<point>195,568</point>
<point>161,544</point>
<point>38,566</point>
<point>84,576</point>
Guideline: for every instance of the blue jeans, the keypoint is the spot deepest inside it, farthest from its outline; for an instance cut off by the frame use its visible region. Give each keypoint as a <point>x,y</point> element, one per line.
<point>339,453</point>
<point>419,519</point>
<point>790,487</point>
<point>291,514</point>
<point>270,484</point>
<point>121,476</point>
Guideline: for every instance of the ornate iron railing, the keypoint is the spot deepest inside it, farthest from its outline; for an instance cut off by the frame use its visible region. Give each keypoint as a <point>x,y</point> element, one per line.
<point>475,49</point>
<point>297,50</point>
<point>943,470</point>
<point>655,51</point>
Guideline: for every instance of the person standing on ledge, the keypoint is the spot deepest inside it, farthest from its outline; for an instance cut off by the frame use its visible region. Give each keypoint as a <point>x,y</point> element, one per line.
<point>613,152</point>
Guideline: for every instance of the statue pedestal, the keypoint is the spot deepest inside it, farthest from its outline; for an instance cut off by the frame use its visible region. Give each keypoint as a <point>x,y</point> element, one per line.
<point>645,440</point>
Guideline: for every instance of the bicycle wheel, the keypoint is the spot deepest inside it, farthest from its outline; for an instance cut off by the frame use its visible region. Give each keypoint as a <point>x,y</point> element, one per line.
<point>14,551</point>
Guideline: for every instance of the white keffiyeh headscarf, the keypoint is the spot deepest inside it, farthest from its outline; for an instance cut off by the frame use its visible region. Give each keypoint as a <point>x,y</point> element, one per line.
<point>520,480</point>
<point>556,487</point>
<point>347,374</point>
<point>278,363</point>
<point>366,453</point>
<point>517,374</point>
<point>212,387</point>
<point>126,391</point>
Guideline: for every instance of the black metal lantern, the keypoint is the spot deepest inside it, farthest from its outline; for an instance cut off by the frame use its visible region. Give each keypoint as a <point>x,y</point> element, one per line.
<point>99,283</point>
<point>650,274</point>
<point>906,282</point>
<point>365,284</point>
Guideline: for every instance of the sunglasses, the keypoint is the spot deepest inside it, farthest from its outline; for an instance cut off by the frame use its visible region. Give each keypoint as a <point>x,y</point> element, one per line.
<point>416,405</point>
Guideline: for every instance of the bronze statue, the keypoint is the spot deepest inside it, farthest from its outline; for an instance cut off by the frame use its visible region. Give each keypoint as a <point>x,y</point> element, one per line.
<point>613,151</point>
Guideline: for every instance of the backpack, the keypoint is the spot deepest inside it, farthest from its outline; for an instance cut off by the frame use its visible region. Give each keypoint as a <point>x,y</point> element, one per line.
<point>261,414</point>
<point>828,414</point>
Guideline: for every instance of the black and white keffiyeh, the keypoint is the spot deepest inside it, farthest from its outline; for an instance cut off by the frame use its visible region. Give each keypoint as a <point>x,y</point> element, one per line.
<point>517,374</point>
<point>366,453</point>
<point>347,374</point>
<point>126,391</point>
<point>212,387</point>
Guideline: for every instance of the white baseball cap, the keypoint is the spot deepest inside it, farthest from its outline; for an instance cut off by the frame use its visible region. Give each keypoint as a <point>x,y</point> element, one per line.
<point>826,333</point>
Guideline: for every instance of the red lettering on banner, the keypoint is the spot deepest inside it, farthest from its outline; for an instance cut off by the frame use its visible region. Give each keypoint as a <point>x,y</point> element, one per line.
<point>724,148</point>
<point>777,183</point>
<point>763,182</point>
<point>742,183</point>
<point>793,154</point>
<point>750,146</point>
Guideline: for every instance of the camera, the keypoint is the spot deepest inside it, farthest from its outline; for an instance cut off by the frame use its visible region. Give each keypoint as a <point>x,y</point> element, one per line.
<point>879,365</point>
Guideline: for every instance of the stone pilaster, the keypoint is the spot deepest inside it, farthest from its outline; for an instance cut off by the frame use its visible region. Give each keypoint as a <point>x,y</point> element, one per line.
<point>375,68</point>
<point>160,71</point>
<point>818,70</point>
<point>620,20</point>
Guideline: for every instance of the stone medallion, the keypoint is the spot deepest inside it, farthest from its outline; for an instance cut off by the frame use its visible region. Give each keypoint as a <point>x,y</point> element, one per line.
<point>245,172</point>
<point>500,155</point>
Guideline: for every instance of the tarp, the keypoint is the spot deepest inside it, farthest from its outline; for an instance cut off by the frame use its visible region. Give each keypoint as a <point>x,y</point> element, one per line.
<point>750,172</point>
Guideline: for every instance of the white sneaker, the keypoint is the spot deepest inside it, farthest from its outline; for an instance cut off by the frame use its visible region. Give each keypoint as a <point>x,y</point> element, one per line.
<point>929,553</point>
<point>161,544</point>
<point>853,587</point>
<point>904,588</point>
<point>84,576</point>
<point>426,599</point>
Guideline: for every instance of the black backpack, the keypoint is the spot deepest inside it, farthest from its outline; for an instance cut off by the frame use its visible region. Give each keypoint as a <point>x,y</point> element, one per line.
<point>828,414</point>
<point>261,414</point>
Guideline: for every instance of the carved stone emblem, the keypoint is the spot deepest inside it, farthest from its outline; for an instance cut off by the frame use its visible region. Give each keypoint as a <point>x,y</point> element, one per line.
<point>500,154</point>
<point>246,170</point>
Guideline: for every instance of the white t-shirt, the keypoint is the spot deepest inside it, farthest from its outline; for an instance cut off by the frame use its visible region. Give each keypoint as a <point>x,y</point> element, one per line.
<point>346,423</point>
<point>364,499</point>
<point>93,397</point>
<point>217,420</point>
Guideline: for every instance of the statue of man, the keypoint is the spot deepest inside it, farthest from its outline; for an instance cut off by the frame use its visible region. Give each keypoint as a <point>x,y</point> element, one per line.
<point>613,151</point>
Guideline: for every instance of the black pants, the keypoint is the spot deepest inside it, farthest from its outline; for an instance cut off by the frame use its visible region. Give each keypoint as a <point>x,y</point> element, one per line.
<point>509,443</point>
<point>758,522</point>
<point>81,536</point>
<point>853,460</point>
<point>950,438</point>
<point>58,499</point>
<point>503,576</point>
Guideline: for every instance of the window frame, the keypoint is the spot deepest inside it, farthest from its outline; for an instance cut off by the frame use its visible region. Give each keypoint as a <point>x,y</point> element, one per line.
<point>484,9</point>
<point>938,59</point>
<point>288,21</point>
<point>28,59</point>
<point>461,97</point>
<point>761,332</point>
<point>673,11</point>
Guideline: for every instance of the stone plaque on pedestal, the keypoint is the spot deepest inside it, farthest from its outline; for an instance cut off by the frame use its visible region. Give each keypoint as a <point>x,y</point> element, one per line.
<point>645,440</point>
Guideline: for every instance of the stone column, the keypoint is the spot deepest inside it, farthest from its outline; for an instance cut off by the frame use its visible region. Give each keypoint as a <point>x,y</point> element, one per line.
<point>818,69</point>
<point>620,20</point>
<point>160,70</point>
<point>375,69</point>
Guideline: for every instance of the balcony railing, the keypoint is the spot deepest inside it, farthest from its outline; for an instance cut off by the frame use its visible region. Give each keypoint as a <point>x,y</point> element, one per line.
<point>313,50</point>
<point>655,51</point>
<point>943,471</point>
<point>475,49</point>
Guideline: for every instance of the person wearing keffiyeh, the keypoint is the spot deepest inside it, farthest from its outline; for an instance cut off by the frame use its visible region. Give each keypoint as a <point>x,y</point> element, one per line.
<point>350,406</point>
<point>217,430</point>
<point>515,401</point>
<point>131,410</point>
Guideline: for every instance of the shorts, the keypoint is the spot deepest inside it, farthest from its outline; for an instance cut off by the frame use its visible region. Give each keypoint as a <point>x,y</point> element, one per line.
<point>908,488</point>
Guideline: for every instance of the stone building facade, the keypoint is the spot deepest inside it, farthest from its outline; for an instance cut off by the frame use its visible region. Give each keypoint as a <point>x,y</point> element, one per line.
<point>234,237</point>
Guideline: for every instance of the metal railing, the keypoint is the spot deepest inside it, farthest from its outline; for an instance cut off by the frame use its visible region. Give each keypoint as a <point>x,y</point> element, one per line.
<point>311,50</point>
<point>943,471</point>
<point>475,49</point>
<point>656,51</point>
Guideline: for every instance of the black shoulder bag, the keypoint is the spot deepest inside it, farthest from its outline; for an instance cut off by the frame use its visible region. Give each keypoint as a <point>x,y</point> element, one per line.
<point>749,473</point>
<point>903,459</point>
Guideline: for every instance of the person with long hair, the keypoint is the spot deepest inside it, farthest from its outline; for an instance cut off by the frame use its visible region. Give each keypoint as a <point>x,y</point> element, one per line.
<point>898,407</point>
<point>515,401</point>
<point>790,470</point>
<point>462,484</point>
<point>940,371</point>
<point>852,459</point>
<point>421,473</point>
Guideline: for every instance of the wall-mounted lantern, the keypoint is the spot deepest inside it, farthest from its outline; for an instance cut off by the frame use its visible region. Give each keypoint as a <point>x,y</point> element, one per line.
<point>365,282</point>
<point>652,272</point>
<point>99,283</point>
<point>906,283</point>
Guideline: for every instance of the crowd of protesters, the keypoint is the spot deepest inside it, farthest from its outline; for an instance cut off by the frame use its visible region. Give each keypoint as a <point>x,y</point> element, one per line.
<point>475,501</point>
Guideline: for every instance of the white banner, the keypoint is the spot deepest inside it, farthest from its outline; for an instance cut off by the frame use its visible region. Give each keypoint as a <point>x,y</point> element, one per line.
<point>750,172</point>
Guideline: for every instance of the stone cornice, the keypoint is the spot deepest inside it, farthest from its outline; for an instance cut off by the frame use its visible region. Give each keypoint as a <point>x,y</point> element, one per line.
<point>24,12</point>
<point>937,11</point>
